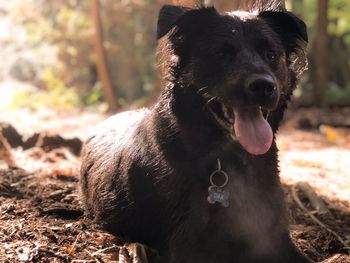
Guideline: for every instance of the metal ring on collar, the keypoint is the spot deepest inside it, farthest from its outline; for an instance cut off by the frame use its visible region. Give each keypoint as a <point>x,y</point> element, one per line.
<point>217,172</point>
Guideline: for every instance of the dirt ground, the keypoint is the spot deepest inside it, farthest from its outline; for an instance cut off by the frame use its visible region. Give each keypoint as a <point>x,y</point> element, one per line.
<point>41,219</point>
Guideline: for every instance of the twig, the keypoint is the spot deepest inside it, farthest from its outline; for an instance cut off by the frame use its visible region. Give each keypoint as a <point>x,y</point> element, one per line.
<point>315,201</point>
<point>105,250</point>
<point>316,220</point>
<point>5,151</point>
<point>76,240</point>
<point>96,258</point>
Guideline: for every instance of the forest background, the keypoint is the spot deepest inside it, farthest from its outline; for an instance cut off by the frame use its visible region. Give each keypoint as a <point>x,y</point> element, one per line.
<point>73,53</point>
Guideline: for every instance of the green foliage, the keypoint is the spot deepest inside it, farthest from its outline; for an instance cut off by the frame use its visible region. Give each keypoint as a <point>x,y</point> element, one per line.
<point>338,95</point>
<point>61,99</point>
<point>130,34</point>
<point>339,52</point>
<point>339,11</point>
<point>94,96</point>
<point>56,95</point>
<point>60,33</point>
<point>66,26</point>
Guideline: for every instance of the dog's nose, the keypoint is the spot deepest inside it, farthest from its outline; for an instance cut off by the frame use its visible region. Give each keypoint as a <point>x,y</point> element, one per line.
<point>261,87</point>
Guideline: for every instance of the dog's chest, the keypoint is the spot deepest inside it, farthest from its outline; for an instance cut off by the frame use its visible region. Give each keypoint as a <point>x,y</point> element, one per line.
<point>253,211</point>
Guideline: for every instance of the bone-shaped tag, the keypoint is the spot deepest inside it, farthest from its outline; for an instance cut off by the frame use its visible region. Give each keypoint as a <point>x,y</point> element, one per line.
<point>217,194</point>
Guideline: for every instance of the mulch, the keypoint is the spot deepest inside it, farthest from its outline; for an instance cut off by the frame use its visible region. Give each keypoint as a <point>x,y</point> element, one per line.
<point>41,217</point>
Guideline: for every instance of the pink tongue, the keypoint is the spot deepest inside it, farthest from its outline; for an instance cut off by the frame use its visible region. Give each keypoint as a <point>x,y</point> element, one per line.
<point>253,132</point>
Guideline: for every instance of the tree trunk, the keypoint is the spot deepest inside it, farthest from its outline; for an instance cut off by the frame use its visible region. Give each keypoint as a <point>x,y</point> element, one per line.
<point>320,54</point>
<point>224,5</point>
<point>190,3</point>
<point>102,68</point>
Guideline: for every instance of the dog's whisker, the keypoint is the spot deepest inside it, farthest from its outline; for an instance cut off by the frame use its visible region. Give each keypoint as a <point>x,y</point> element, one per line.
<point>206,95</point>
<point>211,99</point>
<point>201,89</point>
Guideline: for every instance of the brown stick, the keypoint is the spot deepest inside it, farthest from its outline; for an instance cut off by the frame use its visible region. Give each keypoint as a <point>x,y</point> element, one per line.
<point>316,220</point>
<point>5,152</point>
<point>101,60</point>
<point>315,201</point>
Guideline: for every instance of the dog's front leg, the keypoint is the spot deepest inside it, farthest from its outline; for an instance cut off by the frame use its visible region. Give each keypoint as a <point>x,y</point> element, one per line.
<point>137,253</point>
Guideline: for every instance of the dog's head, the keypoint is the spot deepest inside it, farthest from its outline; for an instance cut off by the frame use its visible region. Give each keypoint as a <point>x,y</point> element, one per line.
<point>242,62</point>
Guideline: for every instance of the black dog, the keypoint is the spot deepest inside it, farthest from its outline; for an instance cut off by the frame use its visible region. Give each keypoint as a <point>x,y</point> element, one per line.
<point>196,176</point>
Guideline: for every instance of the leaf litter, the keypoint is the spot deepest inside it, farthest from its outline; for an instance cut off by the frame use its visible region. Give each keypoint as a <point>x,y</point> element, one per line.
<point>41,217</point>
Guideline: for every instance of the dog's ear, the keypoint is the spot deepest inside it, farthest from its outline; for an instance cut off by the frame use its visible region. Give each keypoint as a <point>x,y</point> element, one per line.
<point>186,27</point>
<point>290,28</point>
<point>168,16</point>
<point>189,22</point>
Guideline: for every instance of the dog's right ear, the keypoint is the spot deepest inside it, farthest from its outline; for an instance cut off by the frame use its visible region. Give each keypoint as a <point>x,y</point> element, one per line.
<point>290,28</point>
<point>168,16</point>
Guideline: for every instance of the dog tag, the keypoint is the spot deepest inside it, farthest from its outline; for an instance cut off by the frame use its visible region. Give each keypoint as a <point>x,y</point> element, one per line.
<point>217,192</point>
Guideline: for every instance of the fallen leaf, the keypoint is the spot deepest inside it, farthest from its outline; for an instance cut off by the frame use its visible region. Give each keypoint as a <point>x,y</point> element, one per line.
<point>71,250</point>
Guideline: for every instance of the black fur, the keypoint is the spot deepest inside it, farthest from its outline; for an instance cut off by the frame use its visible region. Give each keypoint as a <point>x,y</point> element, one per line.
<point>145,174</point>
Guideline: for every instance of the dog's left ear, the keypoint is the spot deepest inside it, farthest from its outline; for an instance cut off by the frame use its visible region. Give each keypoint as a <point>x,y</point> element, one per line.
<point>290,28</point>
<point>168,15</point>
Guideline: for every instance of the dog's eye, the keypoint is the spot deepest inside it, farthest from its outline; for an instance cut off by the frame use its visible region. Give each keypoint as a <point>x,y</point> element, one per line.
<point>271,55</point>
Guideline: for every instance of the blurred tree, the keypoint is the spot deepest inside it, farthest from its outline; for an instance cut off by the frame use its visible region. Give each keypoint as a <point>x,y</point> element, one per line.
<point>224,5</point>
<point>131,45</point>
<point>60,36</point>
<point>101,61</point>
<point>66,27</point>
<point>320,54</point>
<point>191,3</point>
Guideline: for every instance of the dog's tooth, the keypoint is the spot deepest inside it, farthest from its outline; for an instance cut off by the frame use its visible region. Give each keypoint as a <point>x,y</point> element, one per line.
<point>227,115</point>
<point>223,108</point>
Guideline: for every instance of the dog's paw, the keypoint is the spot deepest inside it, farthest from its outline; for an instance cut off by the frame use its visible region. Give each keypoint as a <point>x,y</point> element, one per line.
<point>124,256</point>
<point>137,253</point>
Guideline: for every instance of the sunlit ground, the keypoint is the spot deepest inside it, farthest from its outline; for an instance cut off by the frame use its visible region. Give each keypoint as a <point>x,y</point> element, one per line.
<point>310,157</point>
<point>71,122</point>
